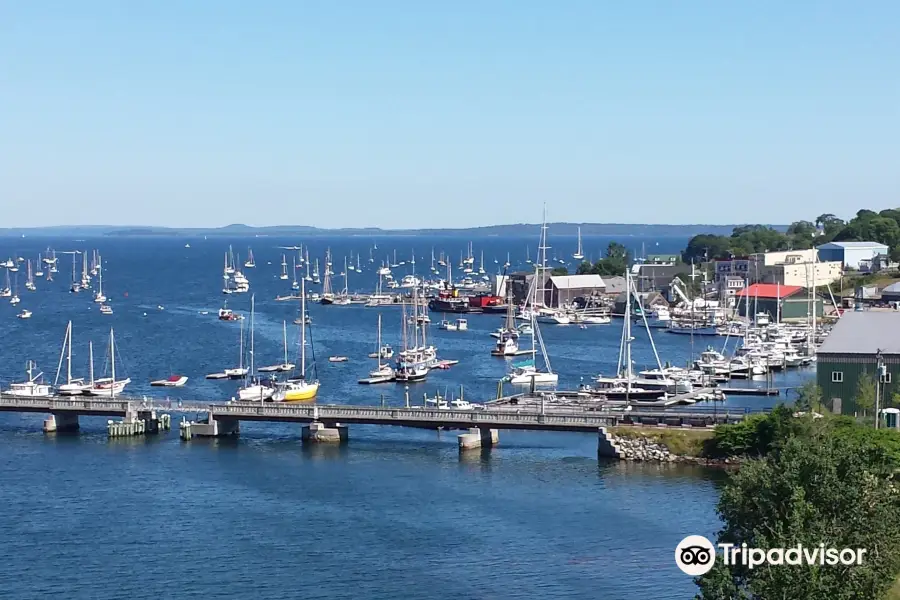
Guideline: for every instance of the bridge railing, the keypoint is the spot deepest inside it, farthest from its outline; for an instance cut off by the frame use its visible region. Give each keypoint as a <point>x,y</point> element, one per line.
<point>59,404</point>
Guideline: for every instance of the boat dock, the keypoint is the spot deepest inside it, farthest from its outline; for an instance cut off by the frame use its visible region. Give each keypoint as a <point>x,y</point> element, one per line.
<point>329,422</point>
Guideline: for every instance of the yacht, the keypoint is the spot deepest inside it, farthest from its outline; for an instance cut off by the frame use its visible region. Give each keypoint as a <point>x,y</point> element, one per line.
<point>72,386</point>
<point>109,386</point>
<point>299,389</point>
<point>25,314</point>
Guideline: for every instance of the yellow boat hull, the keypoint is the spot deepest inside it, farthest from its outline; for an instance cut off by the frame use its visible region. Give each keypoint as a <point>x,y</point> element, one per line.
<point>307,392</point>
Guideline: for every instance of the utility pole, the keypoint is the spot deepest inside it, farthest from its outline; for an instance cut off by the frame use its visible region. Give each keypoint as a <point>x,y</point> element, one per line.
<point>879,388</point>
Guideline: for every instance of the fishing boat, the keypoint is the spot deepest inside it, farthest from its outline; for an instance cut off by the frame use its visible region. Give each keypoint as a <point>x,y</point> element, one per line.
<point>579,253</point>
<point>24,314</point>
<point>458,325</point>
<point>285,366</point>
<point>170,381</point>
<point>299,389</point>
<point>253,388</point>
<point>240,371</point>
<point>33,388</point>
<point>109,386</point>
<point>73,386</point>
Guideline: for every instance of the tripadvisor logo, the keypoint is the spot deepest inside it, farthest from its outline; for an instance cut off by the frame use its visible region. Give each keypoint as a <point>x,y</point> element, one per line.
<point>695,555</point>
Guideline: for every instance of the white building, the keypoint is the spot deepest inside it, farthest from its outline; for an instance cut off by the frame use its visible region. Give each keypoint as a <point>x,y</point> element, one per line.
<point>851,253</point>
<point>792,267</point>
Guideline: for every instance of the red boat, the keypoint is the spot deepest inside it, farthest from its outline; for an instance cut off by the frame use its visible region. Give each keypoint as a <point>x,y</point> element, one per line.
<point>487,303</point>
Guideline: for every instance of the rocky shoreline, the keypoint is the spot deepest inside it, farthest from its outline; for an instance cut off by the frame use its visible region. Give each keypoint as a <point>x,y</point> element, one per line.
<point>647,449</point>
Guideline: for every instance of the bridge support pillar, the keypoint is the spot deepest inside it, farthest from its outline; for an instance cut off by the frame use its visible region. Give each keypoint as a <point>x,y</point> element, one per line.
<point>61,422</point>
<point>478,437</point>
<point>319,432</point>
<point>216,428</point>
<point>489,437</point>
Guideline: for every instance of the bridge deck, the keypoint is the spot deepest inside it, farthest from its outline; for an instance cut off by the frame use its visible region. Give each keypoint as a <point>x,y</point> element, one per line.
<point>530,418</point>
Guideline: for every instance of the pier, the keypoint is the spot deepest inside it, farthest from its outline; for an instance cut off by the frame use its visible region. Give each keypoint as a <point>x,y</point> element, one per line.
<point>329,422</point>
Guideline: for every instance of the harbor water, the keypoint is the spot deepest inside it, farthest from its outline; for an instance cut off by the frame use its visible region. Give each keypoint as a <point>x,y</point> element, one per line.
<point>394,514</point>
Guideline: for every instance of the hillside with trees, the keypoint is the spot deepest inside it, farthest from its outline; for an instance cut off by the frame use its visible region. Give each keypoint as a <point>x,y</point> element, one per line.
<point>867,225</point>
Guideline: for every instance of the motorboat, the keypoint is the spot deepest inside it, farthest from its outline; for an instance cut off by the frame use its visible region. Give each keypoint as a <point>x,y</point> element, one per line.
<point>337,359</point>
<point>171,381</point>
<point>25,314</point>
<point>106,309</point>
<point>226,314</point>
<point>256,391</point>
<point>458,325</point>
<point>526,373</point>
<point>460,404</point>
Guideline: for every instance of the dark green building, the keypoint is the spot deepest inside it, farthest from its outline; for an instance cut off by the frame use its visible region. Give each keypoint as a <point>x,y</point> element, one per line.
<point>787,302</point>
<point>856,345</point>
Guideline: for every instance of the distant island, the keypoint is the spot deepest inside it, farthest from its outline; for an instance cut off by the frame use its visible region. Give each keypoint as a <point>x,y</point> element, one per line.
<point>512,230</point>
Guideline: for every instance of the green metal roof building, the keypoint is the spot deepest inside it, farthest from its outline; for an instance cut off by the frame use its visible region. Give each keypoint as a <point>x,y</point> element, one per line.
<point>853,348</point>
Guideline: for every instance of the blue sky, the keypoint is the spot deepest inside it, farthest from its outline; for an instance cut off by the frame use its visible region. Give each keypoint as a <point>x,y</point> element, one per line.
<point>407,114</point>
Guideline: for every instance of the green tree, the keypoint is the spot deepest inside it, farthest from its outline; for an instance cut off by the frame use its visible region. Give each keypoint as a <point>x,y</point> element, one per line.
<point>814,490</point>
<point>557,271</point>
<point>809,398</point>
<point>865,393</point>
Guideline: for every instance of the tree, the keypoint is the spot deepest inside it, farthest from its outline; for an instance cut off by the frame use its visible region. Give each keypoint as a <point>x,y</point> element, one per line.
<point>614,263</point>
<point>865,393</point>
<point>810,398</point>
<point>557,271</point>
<point>819,489</point>
<point>704,247</point>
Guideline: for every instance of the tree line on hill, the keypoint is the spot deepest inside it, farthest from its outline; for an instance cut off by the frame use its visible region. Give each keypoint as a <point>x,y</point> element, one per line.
<point>867,225</point>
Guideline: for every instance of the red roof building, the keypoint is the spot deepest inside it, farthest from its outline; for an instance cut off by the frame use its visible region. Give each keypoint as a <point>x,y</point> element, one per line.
<point>770,290</point>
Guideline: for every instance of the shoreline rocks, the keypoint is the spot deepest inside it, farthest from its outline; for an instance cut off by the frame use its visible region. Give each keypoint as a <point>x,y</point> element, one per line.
<point>647,449</point>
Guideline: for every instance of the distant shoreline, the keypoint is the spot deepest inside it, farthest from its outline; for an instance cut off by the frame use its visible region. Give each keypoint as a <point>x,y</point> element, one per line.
<point>518,229</point>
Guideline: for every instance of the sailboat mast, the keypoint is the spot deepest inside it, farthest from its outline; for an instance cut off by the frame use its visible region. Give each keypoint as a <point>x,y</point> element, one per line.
<point>241,357</point>
<point>112,360</point>
<point>252,328</point>
<point>378,348</point>
<point>69,353</point>
<point>302,329</point>
<point>284,337</point>
<point>91,358</point>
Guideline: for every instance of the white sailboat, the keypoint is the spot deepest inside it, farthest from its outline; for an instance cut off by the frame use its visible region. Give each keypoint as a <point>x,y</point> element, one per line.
<point>99,297</point>
<point>38,269</point>
<point>384,370</point>
<point>327,294</point>
<point>295,285</point>
<point>15,295</point>
<point>299,389</point>
<point>252,389</point>
<point>527,372</point>
<point>240,371</point>
<point>285,366</point>
<point>579,254</point>
<point>6,290</point>
<point>250,262</point>
<point>29,284</point>
<point>109,386</point>
<point>72,386</point>
<point>284,274</point>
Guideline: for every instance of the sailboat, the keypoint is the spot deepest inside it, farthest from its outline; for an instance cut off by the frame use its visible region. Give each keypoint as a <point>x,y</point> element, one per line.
<point>284,274</point>
<point>327,294</point>
<point>249,263</point>
<point>300,388</point>
<point>384,372</point>
<point>295,285</point>
<point>382,351</point>
<point>99,297</point>
<point>414,360</point>
<point>76,283</point>
<point>240,371</point>
<point>252,389</point>
<point>527,372</point>
<point>29,284</point>
<point>15,295</point>
<point>108,386</point>
<point>6,291</point>
<point>285,366</point>
<point>579,254</point>
<point>72,387</point>
<point>344,297</point>
<point>85,276</point>
<point>508,335</point>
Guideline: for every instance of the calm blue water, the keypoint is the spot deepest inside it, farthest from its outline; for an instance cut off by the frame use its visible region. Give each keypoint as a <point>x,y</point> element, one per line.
<point>395,513</point>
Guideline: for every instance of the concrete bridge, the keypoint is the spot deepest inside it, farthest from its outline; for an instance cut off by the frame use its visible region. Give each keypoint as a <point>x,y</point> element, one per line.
<point>328,422</point>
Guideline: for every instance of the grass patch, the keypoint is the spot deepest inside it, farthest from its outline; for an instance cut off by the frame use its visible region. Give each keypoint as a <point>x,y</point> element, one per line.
<point>683,442</point>
<point>894,592</point>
